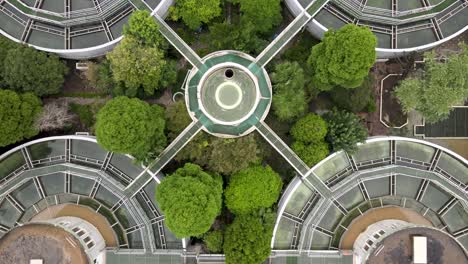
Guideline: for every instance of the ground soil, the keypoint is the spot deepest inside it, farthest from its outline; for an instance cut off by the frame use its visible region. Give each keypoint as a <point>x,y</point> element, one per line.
<point>41,241</point>
<point>84,213</point>
<point>398,248</point>
<point>361,223</point>
<point>391,110</point>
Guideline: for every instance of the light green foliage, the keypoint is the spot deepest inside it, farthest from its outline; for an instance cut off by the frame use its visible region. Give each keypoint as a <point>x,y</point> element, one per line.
<point>28,70</point>
<point>190,199</point>
<point>264,14</point>
<point>195,12</point>
<point>242,37</point>
<point>137,66</point>
<point>214,241</point>
<point>143,28</point>
<point>177,118</point>
<point>345,131</point>
<point>18,113</point>
<point>247,240</point>
<point>357,99</point>
<point>131,126</point>
<point>310,128</point>
<point>311,153</point>
<point>343,57</point>
<point>441,86</point>
<point>252,189</point>
<point>289,98</point>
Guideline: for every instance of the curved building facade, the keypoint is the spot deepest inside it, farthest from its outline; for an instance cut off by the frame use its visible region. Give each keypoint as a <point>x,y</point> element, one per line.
<point>401,26</point>
<point>77,29</point>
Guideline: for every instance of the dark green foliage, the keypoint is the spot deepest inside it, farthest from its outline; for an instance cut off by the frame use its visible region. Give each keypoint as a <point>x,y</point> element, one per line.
<point>289,98</point>
<point>242,37</point>
<point>100,76</point>
<point>18,113</point>
<point>131,126</point>
<point>252,189</point>
<point>439,87</point>
<point>225,156</point>
<point>190,199</point>
<point>214,241</point>
<point>177,119</point>
<point>345,131</point>
<point>311,153</point>
<point>5,46</point>
<point>310,128</point>
<point>264,14</point>
<point>247,240</point>
<point>194,13</point>
<point>343,58</point>
<point>28,70</point>
<point>355,100</point>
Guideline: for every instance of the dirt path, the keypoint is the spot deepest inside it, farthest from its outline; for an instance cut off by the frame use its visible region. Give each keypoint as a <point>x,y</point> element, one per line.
<point>84,213</point>
<point>41,241</point>
<point>361,223</point>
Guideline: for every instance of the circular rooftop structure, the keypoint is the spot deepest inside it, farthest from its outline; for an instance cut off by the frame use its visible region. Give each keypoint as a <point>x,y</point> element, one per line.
<point>389,175</point>
<point>229,94</point>
<point>75,29</point>
<point>401,26</point>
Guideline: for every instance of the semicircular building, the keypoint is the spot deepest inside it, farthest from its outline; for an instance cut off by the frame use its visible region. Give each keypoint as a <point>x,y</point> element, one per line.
<point>401,26</point>
<point>77,29</point>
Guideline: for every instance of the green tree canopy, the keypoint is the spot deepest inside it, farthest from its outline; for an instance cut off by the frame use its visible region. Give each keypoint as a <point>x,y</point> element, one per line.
<point>247,240</point>
<point>264,14</point>
<point>345,131</point>
<point>343,57</point>
<point>438,88</point>
<point>355,100</point>
<point>5,46</point>
<point>28,70</point>
<point>242,37</point>
<point>190,199</point>
<point>143,28</point>
<point>311,153</point>
<point>289,97</point>
<point>137,66</point>
<point>214,241</point>
<point>131,126</point>
<point>18,113</point>
<point>195,12</point>
<point>252,189</point>
<point>310,128</point>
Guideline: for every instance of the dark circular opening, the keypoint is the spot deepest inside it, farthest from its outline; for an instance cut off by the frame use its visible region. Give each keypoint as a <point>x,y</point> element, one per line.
<point>229,73</point>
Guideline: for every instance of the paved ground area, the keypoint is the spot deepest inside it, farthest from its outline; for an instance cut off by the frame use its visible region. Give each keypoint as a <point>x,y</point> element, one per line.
<point>361,223</point>
<point>442,249</point>
<point>39,241</point>
<point>84,213</point>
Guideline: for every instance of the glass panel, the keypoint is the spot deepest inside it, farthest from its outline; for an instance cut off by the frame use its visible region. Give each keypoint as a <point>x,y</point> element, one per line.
<point>26,194</point>
<point>284,234</point>
<point>106,197</point>
<point>125,164</point>
<point>52,148</point>
<point>11,163</point>
<point>8,214</point>
<point>81,185</point>
<point>88,149</point>
<point>372,151</point>
<point>53,183</point>
<point>378,187</point>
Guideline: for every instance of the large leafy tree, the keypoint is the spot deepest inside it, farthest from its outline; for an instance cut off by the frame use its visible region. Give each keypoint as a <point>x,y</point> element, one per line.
<point>289,97</point>
<point>264,14</point>
<point>131,126</point>
<point>310,128</point>
<point>345,131</point>
<point>143,28</point>
<point>177,118</point>
<point>247,240</point>
<point>252,189</point>
<point>18,113</point>
<point>343,57</point>
<point>195,12</point>
<point>190,199</point>
<point>434,91</point>
<point>5,46</point>
<point>28,70</point>
<point>355,100</point>
<point>214,241</point>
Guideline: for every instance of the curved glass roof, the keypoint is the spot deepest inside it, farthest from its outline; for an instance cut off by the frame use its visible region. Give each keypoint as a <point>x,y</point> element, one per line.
<point>384,172</point>
<point>397,24</point>
<point>74,169</point>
